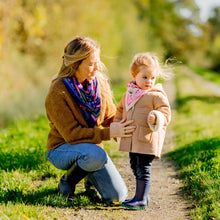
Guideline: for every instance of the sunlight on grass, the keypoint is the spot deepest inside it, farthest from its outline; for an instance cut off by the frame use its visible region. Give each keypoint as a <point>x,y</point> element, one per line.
<point>28,182</point>
<point>196,124</point>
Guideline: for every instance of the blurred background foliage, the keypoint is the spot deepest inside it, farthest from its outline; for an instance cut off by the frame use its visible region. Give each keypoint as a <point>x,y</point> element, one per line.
<point>33,34</point>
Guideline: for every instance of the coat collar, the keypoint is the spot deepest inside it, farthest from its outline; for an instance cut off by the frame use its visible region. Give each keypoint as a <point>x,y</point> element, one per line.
<point>134,93</point>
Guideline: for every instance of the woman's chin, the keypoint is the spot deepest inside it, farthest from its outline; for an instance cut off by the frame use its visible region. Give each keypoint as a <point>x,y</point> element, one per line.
<point>92,77</point>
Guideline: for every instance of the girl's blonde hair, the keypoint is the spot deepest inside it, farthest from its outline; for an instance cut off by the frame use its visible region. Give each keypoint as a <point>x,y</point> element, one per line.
<point>149,61</point>
<point>75,52</point>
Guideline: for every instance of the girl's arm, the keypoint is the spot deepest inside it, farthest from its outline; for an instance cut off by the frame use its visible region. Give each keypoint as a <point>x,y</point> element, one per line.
<point>161,115</point>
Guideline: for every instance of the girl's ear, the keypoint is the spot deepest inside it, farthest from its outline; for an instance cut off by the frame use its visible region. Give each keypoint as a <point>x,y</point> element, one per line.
<point>133,76</point>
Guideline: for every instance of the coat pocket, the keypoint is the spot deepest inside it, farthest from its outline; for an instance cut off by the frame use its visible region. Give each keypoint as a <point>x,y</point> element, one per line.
<point>145,134</point>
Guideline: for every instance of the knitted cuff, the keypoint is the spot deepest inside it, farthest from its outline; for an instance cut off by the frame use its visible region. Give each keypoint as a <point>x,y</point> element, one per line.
<point>105,134</point>
<point>159,122</point>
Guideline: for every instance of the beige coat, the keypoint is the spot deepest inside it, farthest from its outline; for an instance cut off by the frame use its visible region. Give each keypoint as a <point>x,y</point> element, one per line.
<point>144,140</point>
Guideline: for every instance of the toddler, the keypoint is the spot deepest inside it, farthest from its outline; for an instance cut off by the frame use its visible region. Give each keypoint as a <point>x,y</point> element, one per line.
<point>147,105</point>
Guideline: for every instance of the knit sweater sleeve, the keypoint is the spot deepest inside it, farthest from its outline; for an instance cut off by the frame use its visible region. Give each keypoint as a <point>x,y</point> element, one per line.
<point>119,110</point>
<point>110,110</point>
<point>67,121</point>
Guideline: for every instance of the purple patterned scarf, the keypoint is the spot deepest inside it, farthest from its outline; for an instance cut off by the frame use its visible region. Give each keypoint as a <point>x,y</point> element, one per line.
<point>88,98</point>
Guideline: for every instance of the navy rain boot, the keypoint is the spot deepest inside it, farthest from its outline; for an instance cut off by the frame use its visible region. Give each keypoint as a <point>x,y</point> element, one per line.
<point>141,198</point>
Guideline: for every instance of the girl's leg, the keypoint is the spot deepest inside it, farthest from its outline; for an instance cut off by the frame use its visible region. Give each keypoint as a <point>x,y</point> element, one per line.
<point>109,183</point>
<point>144,164</point>
<point>79,160</point>
<point>133,164</point>
<point>143,182</point>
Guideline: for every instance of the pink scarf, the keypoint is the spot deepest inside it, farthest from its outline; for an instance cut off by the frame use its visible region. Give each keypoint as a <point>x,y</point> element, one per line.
<point>133,94</point>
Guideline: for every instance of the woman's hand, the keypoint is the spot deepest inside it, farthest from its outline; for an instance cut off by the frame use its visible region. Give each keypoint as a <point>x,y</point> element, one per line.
<point>122,129</point>
<point>152,119</point>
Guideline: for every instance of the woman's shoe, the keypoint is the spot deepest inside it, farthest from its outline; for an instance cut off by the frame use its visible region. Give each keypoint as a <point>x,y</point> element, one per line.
<point>66,188</point>
<point>69,180</point>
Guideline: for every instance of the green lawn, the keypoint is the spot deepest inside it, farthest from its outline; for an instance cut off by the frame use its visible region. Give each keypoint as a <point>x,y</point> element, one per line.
<point>196,123</point>
<point>28,182</point>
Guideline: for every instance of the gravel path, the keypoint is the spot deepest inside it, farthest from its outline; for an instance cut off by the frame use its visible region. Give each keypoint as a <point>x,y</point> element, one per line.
<point>166,199</point>
<point>215,89</point>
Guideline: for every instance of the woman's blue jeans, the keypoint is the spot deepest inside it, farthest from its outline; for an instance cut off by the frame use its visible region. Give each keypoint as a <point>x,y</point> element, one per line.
<point>92,158</point>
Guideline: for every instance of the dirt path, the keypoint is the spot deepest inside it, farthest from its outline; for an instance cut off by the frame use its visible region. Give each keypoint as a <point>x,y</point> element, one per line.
<point>166,201</point>
<point>215,89</point>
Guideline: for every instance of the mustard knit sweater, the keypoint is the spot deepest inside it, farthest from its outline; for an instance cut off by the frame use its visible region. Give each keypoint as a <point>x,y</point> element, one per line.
<point>67,124</point>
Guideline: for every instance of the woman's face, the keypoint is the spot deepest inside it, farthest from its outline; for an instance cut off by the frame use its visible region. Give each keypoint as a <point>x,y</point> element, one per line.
<point>88,68</point>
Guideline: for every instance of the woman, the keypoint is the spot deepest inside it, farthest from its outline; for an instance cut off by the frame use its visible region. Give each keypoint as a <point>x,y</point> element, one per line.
<point>80,109</point>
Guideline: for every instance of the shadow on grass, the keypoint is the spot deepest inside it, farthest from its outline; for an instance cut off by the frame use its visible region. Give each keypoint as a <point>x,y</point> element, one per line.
<point>51,197</point>
<point>25,159</point>
<point>199,165</point>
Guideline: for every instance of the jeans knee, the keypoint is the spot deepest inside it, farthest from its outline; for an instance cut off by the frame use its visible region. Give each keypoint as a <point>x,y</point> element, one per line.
<point>93,161</point>
<point>100,158</point>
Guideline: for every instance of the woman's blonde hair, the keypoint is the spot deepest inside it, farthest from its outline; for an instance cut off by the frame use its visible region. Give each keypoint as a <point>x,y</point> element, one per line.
<point>75,52</point>
<point>149,61</point>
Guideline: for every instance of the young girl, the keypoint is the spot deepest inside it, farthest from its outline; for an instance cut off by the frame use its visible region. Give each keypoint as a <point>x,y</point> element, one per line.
<point>147,105</point>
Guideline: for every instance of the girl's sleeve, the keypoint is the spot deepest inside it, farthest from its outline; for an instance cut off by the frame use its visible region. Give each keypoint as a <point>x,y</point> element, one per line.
<point>162,105</point>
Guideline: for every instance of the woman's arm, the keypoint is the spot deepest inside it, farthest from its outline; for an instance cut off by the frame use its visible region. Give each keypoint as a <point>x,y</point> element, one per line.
<point>67,121</point>
<point>110,109</point>
<point>119,110</point>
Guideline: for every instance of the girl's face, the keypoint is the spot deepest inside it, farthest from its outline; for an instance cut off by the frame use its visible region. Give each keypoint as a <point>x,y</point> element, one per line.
<point>145,79</point>
<point>88,68</point>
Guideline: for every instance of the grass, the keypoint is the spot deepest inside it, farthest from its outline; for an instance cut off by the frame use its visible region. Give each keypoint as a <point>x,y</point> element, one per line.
<point>28,182</point>
<point>196,123</point>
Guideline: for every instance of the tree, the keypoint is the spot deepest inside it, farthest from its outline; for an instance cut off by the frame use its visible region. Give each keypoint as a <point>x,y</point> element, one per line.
<point>214,36</point>
<point>176,35</point>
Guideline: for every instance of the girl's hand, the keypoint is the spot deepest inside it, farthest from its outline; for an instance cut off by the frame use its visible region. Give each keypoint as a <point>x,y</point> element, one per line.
<point>152,119</point>
<point>122,129</point>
